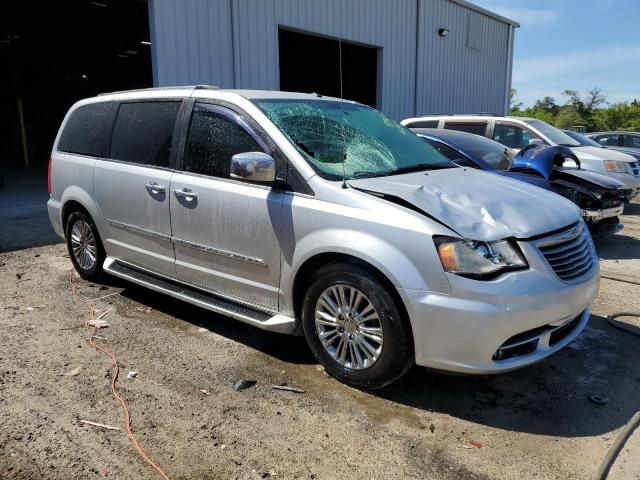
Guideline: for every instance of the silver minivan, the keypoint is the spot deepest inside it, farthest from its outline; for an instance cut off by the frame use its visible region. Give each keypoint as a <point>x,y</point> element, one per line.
<point>302,214</point>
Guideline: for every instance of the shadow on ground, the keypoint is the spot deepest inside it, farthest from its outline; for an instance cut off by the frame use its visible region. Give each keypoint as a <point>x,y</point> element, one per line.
<point>24,220</point>
<point>549,398</point>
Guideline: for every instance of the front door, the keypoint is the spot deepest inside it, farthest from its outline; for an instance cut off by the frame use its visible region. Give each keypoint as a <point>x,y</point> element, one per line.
<point>132,185</point>
<point>225,231</point>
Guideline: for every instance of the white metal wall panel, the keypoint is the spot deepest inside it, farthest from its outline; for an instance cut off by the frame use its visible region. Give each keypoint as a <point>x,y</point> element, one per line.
<point>192,42</point>
<point>381,23</point>
<point>452,76</point>
<point>234,43</point>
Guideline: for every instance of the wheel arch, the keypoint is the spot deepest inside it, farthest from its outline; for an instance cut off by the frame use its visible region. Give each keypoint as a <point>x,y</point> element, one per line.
<point>303,276</point>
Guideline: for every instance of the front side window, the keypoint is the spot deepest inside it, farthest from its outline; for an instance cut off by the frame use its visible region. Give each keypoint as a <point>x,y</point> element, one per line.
<point>215,135</point>
<point>607,140</point>
<point>511,136</point>
<point>344,139</point>
<point>143,132</point>
<point>477,128</point>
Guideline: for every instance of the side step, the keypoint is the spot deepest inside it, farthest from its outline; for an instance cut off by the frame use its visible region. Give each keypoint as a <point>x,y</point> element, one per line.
<point>265,321</point>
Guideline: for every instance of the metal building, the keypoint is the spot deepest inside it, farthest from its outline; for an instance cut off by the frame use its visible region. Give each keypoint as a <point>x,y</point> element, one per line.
<point>405,57</point>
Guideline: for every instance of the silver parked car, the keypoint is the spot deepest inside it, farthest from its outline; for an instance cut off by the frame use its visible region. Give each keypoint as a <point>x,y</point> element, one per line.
<point>317,216</point>
<point>517,132</point>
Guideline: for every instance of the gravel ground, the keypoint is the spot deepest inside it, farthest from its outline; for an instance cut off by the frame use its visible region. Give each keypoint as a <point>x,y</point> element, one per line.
<point>533,423</point>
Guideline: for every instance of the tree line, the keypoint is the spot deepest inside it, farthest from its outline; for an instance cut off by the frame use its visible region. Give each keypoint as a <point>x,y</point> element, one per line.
<point>591,112</point>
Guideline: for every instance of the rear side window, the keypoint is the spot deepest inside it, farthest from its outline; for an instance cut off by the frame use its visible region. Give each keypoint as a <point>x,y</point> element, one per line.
<point>452,154</point>
<point>476,128</point>
<point>86,132</point>
<point>214,137</point>
<point>632,141</point>
<point>143,132</point>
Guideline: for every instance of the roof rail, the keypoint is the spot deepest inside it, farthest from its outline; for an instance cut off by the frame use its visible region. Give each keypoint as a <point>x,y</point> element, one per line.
<point>173,87</point>
<point>488,114</point>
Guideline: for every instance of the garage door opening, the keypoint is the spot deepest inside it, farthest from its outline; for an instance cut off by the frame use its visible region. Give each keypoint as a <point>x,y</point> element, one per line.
<point>309,63</point>
<point>55,53</point>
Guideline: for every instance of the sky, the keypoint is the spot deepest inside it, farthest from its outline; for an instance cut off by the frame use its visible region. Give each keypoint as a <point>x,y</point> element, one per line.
<point>573,44</point>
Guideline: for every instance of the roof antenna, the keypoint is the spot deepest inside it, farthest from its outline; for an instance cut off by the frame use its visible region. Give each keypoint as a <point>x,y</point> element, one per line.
<point>344,159</point>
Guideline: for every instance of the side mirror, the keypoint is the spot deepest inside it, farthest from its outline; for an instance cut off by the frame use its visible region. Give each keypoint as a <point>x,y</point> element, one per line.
<point>253,167</point>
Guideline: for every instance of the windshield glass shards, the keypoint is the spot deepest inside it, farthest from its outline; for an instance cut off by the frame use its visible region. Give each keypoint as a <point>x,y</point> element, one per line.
<point>344,139</point>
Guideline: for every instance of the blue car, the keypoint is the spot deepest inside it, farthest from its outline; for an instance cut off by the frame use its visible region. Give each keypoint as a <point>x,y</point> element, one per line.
<point>601,198</point>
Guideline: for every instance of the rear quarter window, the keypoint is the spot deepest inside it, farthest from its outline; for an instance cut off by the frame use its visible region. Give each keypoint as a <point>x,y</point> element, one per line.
<point>424,124</point>
<point>86,132</point>
<point>143,132</point>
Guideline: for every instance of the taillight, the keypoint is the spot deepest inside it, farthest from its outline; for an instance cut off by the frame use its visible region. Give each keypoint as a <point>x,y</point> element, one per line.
<point>49,177</point>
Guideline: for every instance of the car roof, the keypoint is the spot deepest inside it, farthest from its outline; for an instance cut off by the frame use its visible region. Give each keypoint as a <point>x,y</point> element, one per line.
<point>616,132</point>
<point>211,90</point>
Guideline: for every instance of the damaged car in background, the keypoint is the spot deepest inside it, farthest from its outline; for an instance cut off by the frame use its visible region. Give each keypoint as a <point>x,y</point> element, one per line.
<point>600,197</point>
<point>301,214</point>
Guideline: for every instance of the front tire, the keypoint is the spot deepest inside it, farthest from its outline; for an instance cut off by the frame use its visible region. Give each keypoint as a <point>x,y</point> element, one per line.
<point>84,245</point>
<point>355,328</point>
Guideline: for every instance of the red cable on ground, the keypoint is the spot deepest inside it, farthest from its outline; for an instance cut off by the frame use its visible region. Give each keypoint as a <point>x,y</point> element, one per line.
<point>114,379</point>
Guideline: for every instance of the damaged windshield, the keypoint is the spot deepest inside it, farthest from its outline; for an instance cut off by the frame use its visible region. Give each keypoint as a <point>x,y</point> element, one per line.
<point>351,140</point>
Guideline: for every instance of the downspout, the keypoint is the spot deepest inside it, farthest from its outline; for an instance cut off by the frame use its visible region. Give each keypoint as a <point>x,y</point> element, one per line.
<point>417,59</point>
<point>507,106</point>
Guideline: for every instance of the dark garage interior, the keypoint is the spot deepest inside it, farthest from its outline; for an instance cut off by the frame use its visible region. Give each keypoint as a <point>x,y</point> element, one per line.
<point>311,64</point>
<point>55,53</point>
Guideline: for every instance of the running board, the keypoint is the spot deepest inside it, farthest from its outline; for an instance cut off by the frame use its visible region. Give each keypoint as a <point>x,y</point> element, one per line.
<point>263,320</point>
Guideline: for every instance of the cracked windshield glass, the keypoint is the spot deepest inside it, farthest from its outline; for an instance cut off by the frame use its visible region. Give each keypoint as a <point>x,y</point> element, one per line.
<point>343,139</point>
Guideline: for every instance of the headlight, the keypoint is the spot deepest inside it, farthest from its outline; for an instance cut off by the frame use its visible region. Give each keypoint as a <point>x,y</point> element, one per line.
<point>615,167</point>
<point>470,258</point>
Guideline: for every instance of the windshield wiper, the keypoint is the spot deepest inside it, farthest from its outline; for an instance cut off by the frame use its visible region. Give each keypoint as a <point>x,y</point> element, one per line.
<point>363,174</point>
<point>421,167</point>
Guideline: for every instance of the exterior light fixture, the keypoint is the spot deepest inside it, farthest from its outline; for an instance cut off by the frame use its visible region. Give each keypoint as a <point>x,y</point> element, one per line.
<point>443,32</point>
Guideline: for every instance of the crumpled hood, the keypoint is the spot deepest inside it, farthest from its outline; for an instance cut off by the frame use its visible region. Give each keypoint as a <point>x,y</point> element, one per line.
<point>593,177</point>
<point>478,205</point>
<point>594,153</point>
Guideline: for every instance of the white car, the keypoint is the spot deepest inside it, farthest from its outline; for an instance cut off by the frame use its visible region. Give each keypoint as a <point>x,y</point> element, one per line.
<point>517,132</point>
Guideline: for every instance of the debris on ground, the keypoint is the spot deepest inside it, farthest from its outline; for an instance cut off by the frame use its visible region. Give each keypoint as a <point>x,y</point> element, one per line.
<point>132,374</point>
<point>202,330</point>
<point>243,384</point>
<point>474,443</point>
<point>432,428</point>
<point>148,309</point>
<point>598,399</point>
<point>97,323</point>
<point>74,372</point>
<point>288,388</point>
<point>101,425</point>
<point>204,392</point>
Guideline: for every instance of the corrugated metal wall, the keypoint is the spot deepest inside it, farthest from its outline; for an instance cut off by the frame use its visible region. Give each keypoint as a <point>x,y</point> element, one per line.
<point>452,77</point>
<point>234,43</point>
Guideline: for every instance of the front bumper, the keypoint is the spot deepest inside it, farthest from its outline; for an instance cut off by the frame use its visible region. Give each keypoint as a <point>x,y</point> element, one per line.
<point>462,332</point>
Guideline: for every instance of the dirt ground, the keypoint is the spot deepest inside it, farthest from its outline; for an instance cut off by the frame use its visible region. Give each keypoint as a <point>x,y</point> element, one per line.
<point>537,422</point>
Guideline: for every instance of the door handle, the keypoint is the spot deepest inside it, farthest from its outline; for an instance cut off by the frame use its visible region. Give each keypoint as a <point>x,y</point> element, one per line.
<point>186,193</point>
<point>155,188</point>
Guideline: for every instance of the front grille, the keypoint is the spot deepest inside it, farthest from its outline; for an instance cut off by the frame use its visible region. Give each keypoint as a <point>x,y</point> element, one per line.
<point>561,333</point>
<point>569,253</point>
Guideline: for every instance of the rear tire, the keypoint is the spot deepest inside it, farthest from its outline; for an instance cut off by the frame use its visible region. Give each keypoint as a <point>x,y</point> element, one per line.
<point>84,246</point>
<point>355,328</point>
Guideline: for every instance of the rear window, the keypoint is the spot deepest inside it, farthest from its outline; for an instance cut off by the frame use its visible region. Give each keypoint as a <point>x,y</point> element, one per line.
<point>143,132</point>
<point>86,132</point>
<point>476,128</point>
